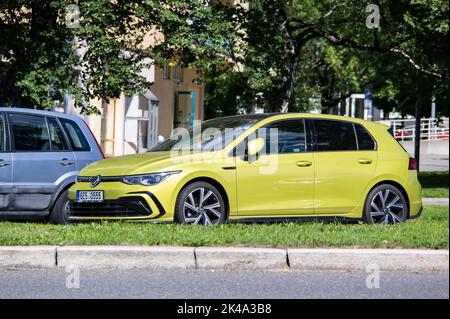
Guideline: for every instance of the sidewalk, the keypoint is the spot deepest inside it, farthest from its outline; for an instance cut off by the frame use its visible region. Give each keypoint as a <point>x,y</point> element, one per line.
<point>435,201</point>
<point>221,258</point>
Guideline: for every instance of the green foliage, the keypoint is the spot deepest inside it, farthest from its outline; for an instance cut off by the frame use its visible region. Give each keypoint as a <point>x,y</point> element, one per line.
<point>428,231</point>
<point>280,54</point>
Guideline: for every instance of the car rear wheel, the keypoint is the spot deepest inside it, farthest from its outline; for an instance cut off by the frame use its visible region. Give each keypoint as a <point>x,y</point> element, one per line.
<point>385,204</point>
<point>200,203</point>
<point>61,209</point>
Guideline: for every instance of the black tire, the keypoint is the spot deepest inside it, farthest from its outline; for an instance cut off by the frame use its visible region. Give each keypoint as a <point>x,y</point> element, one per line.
<point>60,213</point>
<point>385,204</point>
<point>211,212</point>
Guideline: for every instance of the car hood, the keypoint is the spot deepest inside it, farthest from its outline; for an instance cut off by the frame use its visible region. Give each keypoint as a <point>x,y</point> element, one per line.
<point>130,164</point>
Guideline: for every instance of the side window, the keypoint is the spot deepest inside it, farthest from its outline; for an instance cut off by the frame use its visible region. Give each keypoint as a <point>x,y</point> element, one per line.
<point>58,143</point>
<point>2,134</point>
<point>30,132</point>
<point>290,134</point>
<point>365,140</point>
<point>76,137</point>
<point>334,136</point>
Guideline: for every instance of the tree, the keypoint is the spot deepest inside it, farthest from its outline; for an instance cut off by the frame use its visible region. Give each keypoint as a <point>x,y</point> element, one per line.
<point>278,61</point>
<point>47,57</point>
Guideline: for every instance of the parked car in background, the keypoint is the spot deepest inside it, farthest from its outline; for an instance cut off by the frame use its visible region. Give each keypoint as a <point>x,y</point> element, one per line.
<point>318,166</point>
<point>41,154</point>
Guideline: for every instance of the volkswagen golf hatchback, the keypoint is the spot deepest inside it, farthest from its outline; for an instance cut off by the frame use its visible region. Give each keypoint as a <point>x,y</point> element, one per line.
<point>40,156</point>
<point>257,168</point>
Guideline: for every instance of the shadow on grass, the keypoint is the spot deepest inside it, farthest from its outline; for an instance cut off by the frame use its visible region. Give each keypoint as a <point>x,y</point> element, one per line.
<point>433,179</point>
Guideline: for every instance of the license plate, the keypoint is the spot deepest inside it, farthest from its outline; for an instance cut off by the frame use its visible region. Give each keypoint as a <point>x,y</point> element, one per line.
<point>89,196</point>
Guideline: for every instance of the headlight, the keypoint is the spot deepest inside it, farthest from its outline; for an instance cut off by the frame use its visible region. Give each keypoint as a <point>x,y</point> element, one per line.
<point>147,179</point>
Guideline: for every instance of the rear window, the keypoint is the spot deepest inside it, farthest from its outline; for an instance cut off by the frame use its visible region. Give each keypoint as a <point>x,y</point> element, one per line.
<point>75,135</point>
<point>30,133</point>
<point>57,140</point>
<point>365,140</point>
<point>334,136</point>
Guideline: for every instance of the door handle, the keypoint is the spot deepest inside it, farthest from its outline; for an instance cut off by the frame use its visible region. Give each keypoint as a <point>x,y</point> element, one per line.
<point>364,161</point>
<point>4,163</point>
<point>66,162</point>
<point>304,163</point>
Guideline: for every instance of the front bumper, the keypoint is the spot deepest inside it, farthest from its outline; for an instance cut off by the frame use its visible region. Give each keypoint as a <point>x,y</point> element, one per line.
<point>118,204</point>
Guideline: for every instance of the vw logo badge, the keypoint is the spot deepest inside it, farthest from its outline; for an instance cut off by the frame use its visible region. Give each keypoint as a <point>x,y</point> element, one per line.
<point>95,181</point>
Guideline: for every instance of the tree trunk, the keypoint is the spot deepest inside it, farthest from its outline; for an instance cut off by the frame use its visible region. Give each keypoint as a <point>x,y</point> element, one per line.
<point>289,85</point>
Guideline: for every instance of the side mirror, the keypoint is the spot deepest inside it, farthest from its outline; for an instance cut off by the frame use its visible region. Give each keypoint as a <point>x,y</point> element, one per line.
<point>254,147</point>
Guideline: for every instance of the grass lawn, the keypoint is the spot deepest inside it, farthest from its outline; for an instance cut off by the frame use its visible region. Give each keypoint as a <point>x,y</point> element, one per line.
<point>429,231</point>
<point>434,184</point>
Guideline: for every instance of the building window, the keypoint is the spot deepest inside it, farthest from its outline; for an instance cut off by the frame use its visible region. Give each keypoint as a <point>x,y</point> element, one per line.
<point>178,73</point>
<point>167,70</point>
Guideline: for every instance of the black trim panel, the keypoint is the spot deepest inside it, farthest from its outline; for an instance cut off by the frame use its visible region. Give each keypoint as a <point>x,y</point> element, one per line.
<point>133,206</point>
<point>417,215</point>
<point>261,220</point>
<point>156,201</point>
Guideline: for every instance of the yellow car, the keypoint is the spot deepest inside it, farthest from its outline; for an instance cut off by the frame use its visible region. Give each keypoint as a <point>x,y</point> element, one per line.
<point>260,167</point>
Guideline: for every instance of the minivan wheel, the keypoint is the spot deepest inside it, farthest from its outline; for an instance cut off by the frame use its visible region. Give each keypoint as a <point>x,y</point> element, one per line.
<point>61,209</point>
<point>385,204</point>
<point>200,203</point>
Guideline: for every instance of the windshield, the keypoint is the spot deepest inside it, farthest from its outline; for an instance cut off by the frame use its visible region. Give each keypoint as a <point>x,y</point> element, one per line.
<point>210,135</point>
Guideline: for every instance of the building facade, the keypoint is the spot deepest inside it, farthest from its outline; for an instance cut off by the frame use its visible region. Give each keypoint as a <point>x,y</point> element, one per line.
<point>134,124</point>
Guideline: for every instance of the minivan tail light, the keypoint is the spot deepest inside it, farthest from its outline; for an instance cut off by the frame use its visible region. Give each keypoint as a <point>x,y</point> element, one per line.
<point>412,164</point>
<point>95,139</point>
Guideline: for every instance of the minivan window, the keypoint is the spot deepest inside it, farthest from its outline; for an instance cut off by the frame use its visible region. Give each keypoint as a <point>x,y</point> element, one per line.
<point>30,132</point>
<point>334,136</point>
<point>58,142</point>
<point>76,137</point>
<point>290,134</point>
<point>365,140</point>
<point>2,134</point>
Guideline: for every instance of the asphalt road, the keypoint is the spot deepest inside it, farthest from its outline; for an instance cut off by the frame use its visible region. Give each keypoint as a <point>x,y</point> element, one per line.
<point>211,285</point>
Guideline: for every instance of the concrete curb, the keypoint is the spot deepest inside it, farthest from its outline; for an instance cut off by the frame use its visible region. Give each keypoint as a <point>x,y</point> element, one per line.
<point>229,258</point>
<point>435,201</point>
<point>222,258</point>
<point>361,259</point>
<point>123,257</point>
<point>27,257</point>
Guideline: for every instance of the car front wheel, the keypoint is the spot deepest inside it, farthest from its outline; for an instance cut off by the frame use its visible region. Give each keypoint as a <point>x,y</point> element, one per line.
<point>385,204</point>
<point>200,203</point>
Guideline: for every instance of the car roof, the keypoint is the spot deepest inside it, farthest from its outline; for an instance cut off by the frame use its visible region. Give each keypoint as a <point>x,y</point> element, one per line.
<point>262,116</point>
<point>39,112</point>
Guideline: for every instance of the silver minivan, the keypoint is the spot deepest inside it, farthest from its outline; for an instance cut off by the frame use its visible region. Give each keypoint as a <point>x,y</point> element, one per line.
<point>41,153</point>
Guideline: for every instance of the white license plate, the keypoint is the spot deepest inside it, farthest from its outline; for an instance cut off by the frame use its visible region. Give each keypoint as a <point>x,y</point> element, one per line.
<point>89,196</point>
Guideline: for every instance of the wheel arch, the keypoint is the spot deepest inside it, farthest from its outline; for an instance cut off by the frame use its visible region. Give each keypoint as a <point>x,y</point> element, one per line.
<point>395,184</point>
<point>58,193</point>
<point>216,184</point>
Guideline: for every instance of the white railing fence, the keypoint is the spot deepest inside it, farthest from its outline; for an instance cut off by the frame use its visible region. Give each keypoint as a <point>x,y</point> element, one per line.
<point>430,128</point>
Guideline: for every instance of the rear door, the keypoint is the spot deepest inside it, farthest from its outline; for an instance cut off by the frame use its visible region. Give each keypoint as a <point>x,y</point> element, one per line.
<point>5,167</point>
<point>83,143</point>
<point>344,165</point>
<point>42,160</point>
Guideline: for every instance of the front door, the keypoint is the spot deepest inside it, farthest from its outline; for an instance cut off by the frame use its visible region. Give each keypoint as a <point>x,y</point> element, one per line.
<point>5,168</point>
<point>42,159</point>
<point>280,181</point>
<point>344,167</point>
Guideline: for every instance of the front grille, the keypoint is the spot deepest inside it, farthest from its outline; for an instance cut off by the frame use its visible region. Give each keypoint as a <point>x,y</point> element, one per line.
<point>123,207</point>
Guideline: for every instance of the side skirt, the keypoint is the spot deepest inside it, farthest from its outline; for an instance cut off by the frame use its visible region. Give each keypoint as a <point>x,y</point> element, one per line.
<point>261,220</point>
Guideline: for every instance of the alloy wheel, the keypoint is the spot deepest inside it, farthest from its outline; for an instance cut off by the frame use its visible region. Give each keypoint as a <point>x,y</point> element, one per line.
<point>203,207</point>
<point>387,207</point>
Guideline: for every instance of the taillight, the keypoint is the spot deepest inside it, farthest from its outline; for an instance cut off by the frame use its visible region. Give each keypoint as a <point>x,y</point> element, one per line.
<point>412,164</point>
<point>95,139</point>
